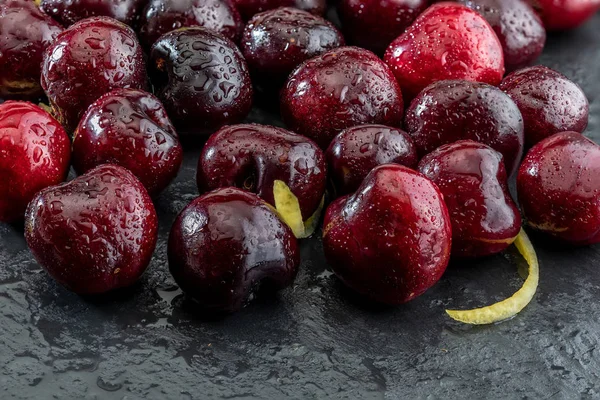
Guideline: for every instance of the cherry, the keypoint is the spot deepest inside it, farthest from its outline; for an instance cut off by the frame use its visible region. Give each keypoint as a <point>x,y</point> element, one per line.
<point>25,32</point>
<point>339,89</point>
<point>559,188</point>
<point>472,178</point>
<point>549,101</point>
<point>130,128</point>
<point>34,154</point>
<point>163,16</point>
<point>225,245</point>
<point>391,240</point>
<point>374,24</point>
<point>565,14</point>
<point>253,157</point>
<point>447,41</point>
<point>202,79</point>
<point>249,8</point>
<point>95,233</point>
<point>67,12</point>
<point>91,58</point>
<point>356,151</point>
<point>518,27</point>
<point>277,41</point>
<point>448,111</point>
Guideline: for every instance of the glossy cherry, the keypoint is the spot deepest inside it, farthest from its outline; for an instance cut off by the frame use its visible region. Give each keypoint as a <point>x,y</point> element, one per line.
<point>202,79</point>
<point>448,111</point>
<point>252,157</point>
<point>130,128</point>
<point>91,58</point>
<point>339,89</point>
<point>249,8</point>
<point>356,151</point>
<point>559,188</point>
<point>518,27</point>
<point>67,12</point>
<point>277,41</point>
<point>565,14</point>
<point>472,178</point>
<point>226,245</point>
<point>549,101</point>
<point>163,16</point>
<point>34,154</point>
<point>25,32</point>
<point>95,233</point>
<point>391,240</point>
<point>374,24</point>
<point>447,41</point>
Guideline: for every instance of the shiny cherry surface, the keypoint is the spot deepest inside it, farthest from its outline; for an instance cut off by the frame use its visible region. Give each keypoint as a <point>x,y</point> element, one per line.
<point>34,154</point>
<point>339,89</point>
<point>356,151</point>
<point>91,58</point>
<point>130,128</point>
<point>559,188</point>
<point>559,15</point>
<point>448,111</point>
<point>249,8</point>
<point>67,12</point>
<point>472,178</point>
<point>95,233</point>
<point>225,245</point>
<point>252,157</point>
<point>447,41</point>
<point>391,240</point>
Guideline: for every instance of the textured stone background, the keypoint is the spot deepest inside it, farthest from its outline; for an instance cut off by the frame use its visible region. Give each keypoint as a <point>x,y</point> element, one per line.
<point>315,339</point>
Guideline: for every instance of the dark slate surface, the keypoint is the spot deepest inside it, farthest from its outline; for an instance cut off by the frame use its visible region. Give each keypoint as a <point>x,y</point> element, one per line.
<point>313,340</point>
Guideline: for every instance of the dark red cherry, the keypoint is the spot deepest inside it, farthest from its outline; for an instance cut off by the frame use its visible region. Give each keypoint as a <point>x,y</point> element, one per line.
<point>549,101</point>
<point>391,240</point>
<point>67,12</point>
<point>130,128</point>
<point>34,154</point>
<point>339,89</point>
<point>248,8</point>
<point>472,178</point>
<point>95,233</point>
<point>163,16</point>
<point>559,188</point>
<point>560,15</point>
<point>448,111</point>
<point>91,58</point>
<point>356,151</point>
<point>277,41</point>
<point>226,245</point>
<point>25,32</point>
<point>202,79</point>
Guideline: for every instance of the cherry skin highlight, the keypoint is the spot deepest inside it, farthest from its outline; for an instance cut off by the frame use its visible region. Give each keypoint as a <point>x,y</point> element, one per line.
<point>391,240</point>
<point>163,16</point>
<point>339,89</point>
<point>374,24</point>
<point>202,79</point>
<point>225,245</point>
<point>263,154</point>
<point>447,41</point>
<point>25,32</point>
<point>277,41</point>
<point>130,128</point>
<point>549,102</point>
<point>34,154</point>
<point>249,8</point>
<point>356,151</point>
<point>448,111</point>
<point>68,12</point>
<point>95,233</point>
<point>91,58</point>
<point>559,188</point>
<point>518,27</point>
<point>472,178</point>
<point>559,15</point>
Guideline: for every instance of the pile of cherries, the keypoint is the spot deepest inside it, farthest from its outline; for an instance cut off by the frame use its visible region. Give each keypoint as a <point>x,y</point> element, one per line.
<point>410,138</point>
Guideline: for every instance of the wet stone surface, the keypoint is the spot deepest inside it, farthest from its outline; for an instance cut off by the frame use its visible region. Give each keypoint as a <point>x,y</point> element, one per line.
<point>315,339</point>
